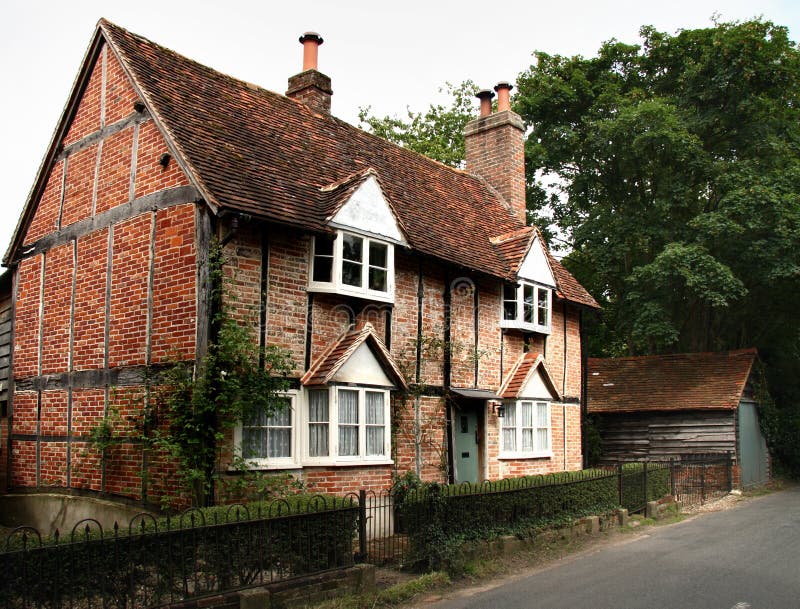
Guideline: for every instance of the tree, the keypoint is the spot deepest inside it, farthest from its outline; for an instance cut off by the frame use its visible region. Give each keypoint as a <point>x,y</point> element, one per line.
<point>676,178</point>
<point>437,133</point>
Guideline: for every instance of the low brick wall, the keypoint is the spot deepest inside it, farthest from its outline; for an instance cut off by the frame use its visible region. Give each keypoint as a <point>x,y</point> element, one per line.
<point>291,593</point>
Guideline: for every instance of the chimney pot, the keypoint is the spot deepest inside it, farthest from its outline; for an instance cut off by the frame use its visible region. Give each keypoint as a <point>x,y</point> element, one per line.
<point>485,95</point>
<point>311,42</point>
<point>503,96</point>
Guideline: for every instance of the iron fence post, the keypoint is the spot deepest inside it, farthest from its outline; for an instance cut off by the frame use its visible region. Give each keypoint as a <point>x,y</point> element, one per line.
<point>619,482</point>
<point>644,482</point>
<point>702,483</point>
<point>729,470</point>
<point>362,526</point>
<point>672,489</point>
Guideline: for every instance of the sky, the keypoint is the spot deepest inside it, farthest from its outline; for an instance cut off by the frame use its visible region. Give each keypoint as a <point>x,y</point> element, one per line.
<point>385,55</point>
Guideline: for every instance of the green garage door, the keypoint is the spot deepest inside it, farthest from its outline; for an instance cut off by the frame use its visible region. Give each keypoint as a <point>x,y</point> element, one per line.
<point>752,446</point>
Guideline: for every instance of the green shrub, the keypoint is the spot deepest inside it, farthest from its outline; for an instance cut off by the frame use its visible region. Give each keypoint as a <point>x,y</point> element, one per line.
<point>202,551</point>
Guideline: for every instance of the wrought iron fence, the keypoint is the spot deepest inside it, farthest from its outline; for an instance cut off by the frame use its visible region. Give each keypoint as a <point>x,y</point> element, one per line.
<point>154,562</point>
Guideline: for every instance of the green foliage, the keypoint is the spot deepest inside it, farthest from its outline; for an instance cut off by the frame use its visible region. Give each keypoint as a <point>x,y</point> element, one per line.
<point>439,519</point>
<point>437,133</point>
<point>200,552</point>
<point>672,169</point>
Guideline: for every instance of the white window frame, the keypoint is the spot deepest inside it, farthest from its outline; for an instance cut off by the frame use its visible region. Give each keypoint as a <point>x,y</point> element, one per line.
<point>519,323</point>
<point>333,457</point>
<point>274,462</point>
<point>337,286</point>
<point>537,451</point>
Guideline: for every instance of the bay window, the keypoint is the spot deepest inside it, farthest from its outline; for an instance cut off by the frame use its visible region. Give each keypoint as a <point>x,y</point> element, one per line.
<point>347,424</point>
<point>527,306</point>
<point>268,440</point>
<point>526,429</point>
<point>354,265</point>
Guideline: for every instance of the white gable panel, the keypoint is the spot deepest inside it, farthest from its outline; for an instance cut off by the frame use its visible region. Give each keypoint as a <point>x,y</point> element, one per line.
<point>535,387</point>
<point>363,368</point>
<point>368,211</point>
<point>535,267</point>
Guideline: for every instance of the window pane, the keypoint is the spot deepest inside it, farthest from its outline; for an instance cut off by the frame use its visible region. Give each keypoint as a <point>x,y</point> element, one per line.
<point>348,441</point>
<point>318,424</point>
<point>541,437</point>
<point>527,414</point>
<point>254,443</point>
<point>542,306</point>
<point>377,280</point>
<point>318,406</point>
<point>377,254</point>
<point>282,416</point>
<point>323,246</point>
<point>375,440</point>
<point>509,439</point>
<point>509,309</point>
<point>323,259</point>
<point>541,415</point>
<point>348,407</point>
<point>511,415</point>
<point>509,292</point>
<point>351,274</point>
<point>352,248</point>
<point>527,304</point>
<point>318,440</point>
<point>374,408</point>
<point>280,442</point>
<point>527,440</point>
<point>348,422</point>
<point>323,269</point>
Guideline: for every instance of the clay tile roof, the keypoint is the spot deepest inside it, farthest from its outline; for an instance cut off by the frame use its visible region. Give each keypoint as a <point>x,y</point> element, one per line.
<point>254,151</point>
<point>568,287</point>
<point>518,376</point>
<point>326,367</point>
<point>682,381</point>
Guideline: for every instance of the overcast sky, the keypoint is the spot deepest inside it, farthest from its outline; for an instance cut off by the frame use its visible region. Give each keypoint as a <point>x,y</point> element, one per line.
<point>387,55</point>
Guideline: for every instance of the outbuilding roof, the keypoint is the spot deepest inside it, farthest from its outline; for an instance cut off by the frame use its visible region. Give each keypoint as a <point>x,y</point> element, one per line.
<point>680,381</point>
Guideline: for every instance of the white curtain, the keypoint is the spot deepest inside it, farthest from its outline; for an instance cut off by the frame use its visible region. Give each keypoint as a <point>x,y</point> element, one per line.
<point>510,428</point>
<point>348,423</point>
<point>318,421</point>
<point>375,423</point>
<point>279,431</point>
<point>527,426</point>
<point>542,424</point>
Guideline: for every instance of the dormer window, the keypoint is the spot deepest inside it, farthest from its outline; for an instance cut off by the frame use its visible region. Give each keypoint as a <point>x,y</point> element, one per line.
<point>527,306</point>
<point>353,265</point>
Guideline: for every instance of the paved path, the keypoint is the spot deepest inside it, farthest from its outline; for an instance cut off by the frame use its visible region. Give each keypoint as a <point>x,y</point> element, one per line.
<point>747,557</point>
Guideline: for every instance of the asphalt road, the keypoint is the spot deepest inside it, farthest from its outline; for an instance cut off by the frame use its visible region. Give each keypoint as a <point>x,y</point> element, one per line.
<point>745,557</point>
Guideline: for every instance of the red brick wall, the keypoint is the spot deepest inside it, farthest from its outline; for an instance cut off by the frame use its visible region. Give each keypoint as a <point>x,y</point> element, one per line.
<point>56,301</point>
<point>349,479</point>
<point>286,294</point>
<point>174,285</point>
<point>97,177</point>
<point>114,175</point>
<point>46,219</point>
<point>90,301</point>
<point>79,185</point>
<point>119,93</point>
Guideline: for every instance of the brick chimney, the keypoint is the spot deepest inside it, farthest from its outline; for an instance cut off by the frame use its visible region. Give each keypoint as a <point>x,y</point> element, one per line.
<point>311,86</point>
<point>495,147</point>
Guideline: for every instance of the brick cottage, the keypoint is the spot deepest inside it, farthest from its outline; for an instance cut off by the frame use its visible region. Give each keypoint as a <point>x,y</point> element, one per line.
<point>415,302</point>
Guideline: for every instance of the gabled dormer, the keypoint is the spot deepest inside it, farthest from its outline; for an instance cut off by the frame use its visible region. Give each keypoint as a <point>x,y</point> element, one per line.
<point>357,257</point>
<point>528,303</point>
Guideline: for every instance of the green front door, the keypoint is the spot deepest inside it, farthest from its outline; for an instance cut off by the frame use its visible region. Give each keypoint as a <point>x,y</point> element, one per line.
<point>466,444</point>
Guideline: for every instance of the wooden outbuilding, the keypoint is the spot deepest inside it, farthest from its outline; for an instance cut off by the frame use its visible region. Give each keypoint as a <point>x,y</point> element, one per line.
<point>681,406</point>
